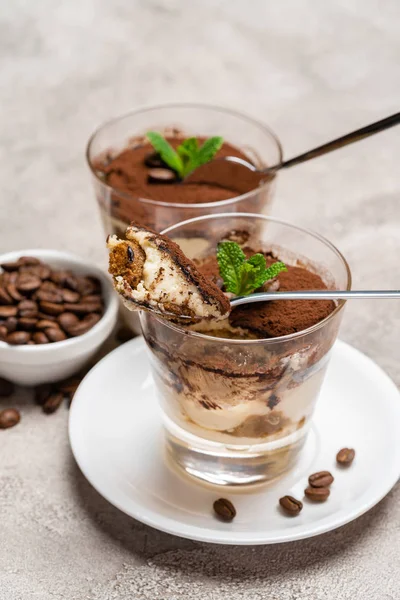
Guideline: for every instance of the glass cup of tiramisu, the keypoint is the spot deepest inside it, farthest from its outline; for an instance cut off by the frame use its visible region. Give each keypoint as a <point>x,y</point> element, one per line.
<point>238,394</point>
<point>123,163</point>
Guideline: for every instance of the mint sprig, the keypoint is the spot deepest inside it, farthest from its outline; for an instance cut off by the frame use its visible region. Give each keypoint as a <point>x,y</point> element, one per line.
<point>188,156</point>
<point>242,276</point>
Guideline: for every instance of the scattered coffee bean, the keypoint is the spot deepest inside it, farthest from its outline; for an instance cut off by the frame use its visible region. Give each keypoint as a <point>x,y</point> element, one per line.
<point>317,494</point>
<point>55,334</point>
<point>9,417</point>
<point>40,338</point>
<point>13,292</point>
<point>320,479</point>
<point>154,161</point>
<point>28,282</point>
<point>5,297</point>
<point>161,176</point>
<point>8,311</point>
<point>6,388</point>
<point>18,338</point>
<point>345,456</point>
<point>11,324</point>
<point>69,386</point>
<point>27,323</point>
<point>225,509</point>
<point>291,505</point>
<point>42,392</point>
<point>52,403</point>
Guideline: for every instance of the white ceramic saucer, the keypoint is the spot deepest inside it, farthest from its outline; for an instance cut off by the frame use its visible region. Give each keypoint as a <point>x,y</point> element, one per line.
<point>115,434</point>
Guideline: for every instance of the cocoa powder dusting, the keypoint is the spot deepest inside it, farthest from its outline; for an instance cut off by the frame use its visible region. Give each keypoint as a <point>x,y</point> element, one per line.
<point>128,173</point>
<point>281,317</point>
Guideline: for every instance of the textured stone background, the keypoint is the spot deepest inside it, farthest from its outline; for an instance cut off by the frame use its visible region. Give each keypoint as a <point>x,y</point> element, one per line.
<point>312,70</point>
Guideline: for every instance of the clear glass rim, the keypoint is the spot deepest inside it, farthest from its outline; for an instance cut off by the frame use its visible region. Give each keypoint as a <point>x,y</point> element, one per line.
<point>283,338</point>
<point>178,105</point>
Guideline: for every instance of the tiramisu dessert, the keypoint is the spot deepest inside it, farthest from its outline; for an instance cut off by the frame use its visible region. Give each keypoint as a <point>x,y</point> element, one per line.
<point>151,272</point>
<point>241,378</point>
<point>142,176</point>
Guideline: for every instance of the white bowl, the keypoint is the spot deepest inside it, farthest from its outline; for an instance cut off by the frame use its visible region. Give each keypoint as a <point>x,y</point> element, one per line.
<point>45,363</point>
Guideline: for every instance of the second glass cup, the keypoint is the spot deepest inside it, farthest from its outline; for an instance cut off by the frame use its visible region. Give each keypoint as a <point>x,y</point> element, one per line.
<point>237,411</point>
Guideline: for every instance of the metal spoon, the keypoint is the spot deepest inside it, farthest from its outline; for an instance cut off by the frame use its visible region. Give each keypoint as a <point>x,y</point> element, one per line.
<point>232,168</point>
<point>307,295</point>
<point>315,295</point>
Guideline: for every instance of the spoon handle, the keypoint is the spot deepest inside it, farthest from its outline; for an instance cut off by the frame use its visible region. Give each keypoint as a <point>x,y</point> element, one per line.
<point>315,295</point>
<point>359,134</point>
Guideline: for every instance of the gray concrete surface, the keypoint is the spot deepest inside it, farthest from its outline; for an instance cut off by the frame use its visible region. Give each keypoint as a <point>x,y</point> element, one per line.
<point>310,69</point>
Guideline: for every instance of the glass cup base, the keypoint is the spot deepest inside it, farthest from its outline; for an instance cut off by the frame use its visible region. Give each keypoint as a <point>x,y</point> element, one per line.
<point>235,465</point>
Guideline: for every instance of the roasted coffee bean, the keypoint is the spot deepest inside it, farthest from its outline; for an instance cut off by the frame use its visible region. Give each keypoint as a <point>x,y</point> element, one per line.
<point>67,320</point>
<point>83,308</point>
<point>59,276</point>
<point>71,282</point>
<point>28,260</point>
<point>154,161</point>
<point>11,324</point>
<point>83,326</point>
<point>69,386</point>
<point>6,388</point>
<point>88,286</point>
<point>27,324</point>
<point>18,338</point>
<point>320,479</point>
<point>31,314</point>
<point>42,392</point>
<point>93,298</point>
<point>51,318</point>
<point>55,334</point>
<point>9,417</point>
<point>225,509</point>
<point>5,297</point>
<point>11,266</point>
<point>40,338</point>
<point>291,505</point>
<point>28,282</point>
<point>49,286</point>
<point>345,456</point>
<point>124,334</point>
<point>52,403</point>
<point>317,494</point>
<point>3,333</point>
<point>14,293</point>
<point>51,308</point>
<point>8,311</point>
<point>161,176</point>
<point>43,324</point>
<point>70,296</point>
<point>49,296</point>
<point>27,305</point>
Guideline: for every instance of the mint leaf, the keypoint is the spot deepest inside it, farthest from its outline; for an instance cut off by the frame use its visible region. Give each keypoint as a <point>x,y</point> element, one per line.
<point>241,276</point>
<point>188,147</point>
<point>208,150</point>
<point>166,151</point>
<point>230,259</point>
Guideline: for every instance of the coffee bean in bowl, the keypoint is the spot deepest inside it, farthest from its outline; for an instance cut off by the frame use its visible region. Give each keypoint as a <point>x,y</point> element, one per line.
<point>55,312</point>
